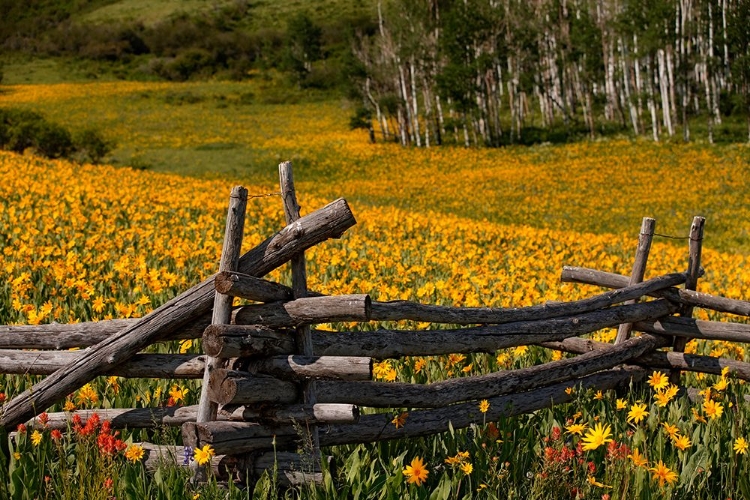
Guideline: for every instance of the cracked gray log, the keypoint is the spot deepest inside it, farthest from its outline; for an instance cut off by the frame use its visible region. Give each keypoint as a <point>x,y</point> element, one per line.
<point>234,438</point>
<point>307,310</point>
<point>400,310</point>
<point>241,388</point>
<point>172,416</point>
<point>56,336</point>
<point>86,334</point>
<point>378,427</point>
<point>121,418</point>
<point>661,359</point>
<point>186,366</point>
<point>242,341</point>
<point>328,222</point>
<point>396,343</point>
<point>317,413</point>
<point>696,328</point>
<point>680,296</point>
<point>296,367</point>
<point>394,395</point>
<point>249,287</point>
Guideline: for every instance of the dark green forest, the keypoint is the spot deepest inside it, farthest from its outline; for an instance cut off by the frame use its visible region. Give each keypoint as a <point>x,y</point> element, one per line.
<point>428,72</point>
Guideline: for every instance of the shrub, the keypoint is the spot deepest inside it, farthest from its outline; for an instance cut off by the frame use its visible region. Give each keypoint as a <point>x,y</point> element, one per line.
<point>21,130</point>
<point>92,146</point>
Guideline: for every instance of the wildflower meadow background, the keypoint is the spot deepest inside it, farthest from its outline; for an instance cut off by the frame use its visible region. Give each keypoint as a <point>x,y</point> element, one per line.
<point>82,242</point>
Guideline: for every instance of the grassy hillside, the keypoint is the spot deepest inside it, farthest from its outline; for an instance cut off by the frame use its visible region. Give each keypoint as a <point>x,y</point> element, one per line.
<point>257,14</point>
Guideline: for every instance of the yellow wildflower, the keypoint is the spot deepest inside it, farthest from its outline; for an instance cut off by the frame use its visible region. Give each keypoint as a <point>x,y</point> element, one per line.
<point>400,419</point>
<point>637,413</point>
<point>203,455</point>
<point>637,459</point>
<point>658,380</point>
<point>663,474</point>
<point>416,472</point>
<point>134,452</point>
<point>36,438</point>
<point>712,409</point>
<point>740,446</point>
<point>597,437</point>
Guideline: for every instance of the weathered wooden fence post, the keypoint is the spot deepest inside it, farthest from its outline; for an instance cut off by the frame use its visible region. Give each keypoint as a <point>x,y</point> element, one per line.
<point>639,269</point>
<point>695,246</point>
<point>222,312</point>
<point>299,287</point>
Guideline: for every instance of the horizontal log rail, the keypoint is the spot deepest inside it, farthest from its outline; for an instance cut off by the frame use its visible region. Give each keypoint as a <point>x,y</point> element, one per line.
<point>682,296</point>
<point>397,343</point>
<point>307,310</point>
<point>298,367</point>
<point>175,416</point>
<point>661,359</point>
<point>243,341</point>
<point>378,427</point>
<point>312,413</point>
<point>457,390</point>
<point>230,387</point>
<point>249,287</point>
<point>696,329</point>
<point>172,366</point>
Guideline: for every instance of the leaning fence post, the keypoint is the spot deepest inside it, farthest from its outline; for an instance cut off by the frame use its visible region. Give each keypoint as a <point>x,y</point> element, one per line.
<point>222,312</point>
<point>639,269</point>
<point>693,273</point>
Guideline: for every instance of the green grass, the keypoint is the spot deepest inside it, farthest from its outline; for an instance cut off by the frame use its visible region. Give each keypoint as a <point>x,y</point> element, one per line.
<point>149,12</point>
<point>261,13</point>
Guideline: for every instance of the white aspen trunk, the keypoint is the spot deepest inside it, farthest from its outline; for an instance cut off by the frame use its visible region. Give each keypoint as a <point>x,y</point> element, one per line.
<point>727,73</point>
<point>626,85</point>
<point>713,77</point>
<point>466,133</point>
<point>664,90</point>
<point>512,99</point>
<point>669,64</point>
<point>441,122</point>
<point>415,109</point>
<point>638,81</point>
<point>427,113</point>
<point>405,102</point>
<point>704,75</point>
<point>402,127</point>
<point>609,86</point>
<point>651,101</point>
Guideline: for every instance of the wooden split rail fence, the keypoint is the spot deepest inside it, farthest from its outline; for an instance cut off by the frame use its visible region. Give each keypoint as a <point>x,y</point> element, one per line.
<point>272,384</point>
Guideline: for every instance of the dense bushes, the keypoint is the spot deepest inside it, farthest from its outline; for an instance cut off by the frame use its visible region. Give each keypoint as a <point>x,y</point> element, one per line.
<point>21,130</point>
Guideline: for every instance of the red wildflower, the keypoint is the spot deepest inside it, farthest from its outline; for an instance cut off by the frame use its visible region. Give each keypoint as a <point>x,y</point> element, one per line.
<point>592,468</point>
<point>56,434</point>
<point>108,483</point>
<point>43,418</point>
<point>556,433</point>
<point>2,397</point>
<point>21,428</point>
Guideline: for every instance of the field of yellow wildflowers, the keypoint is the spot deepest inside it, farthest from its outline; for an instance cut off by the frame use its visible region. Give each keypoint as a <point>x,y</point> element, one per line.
<point>450,226</point>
